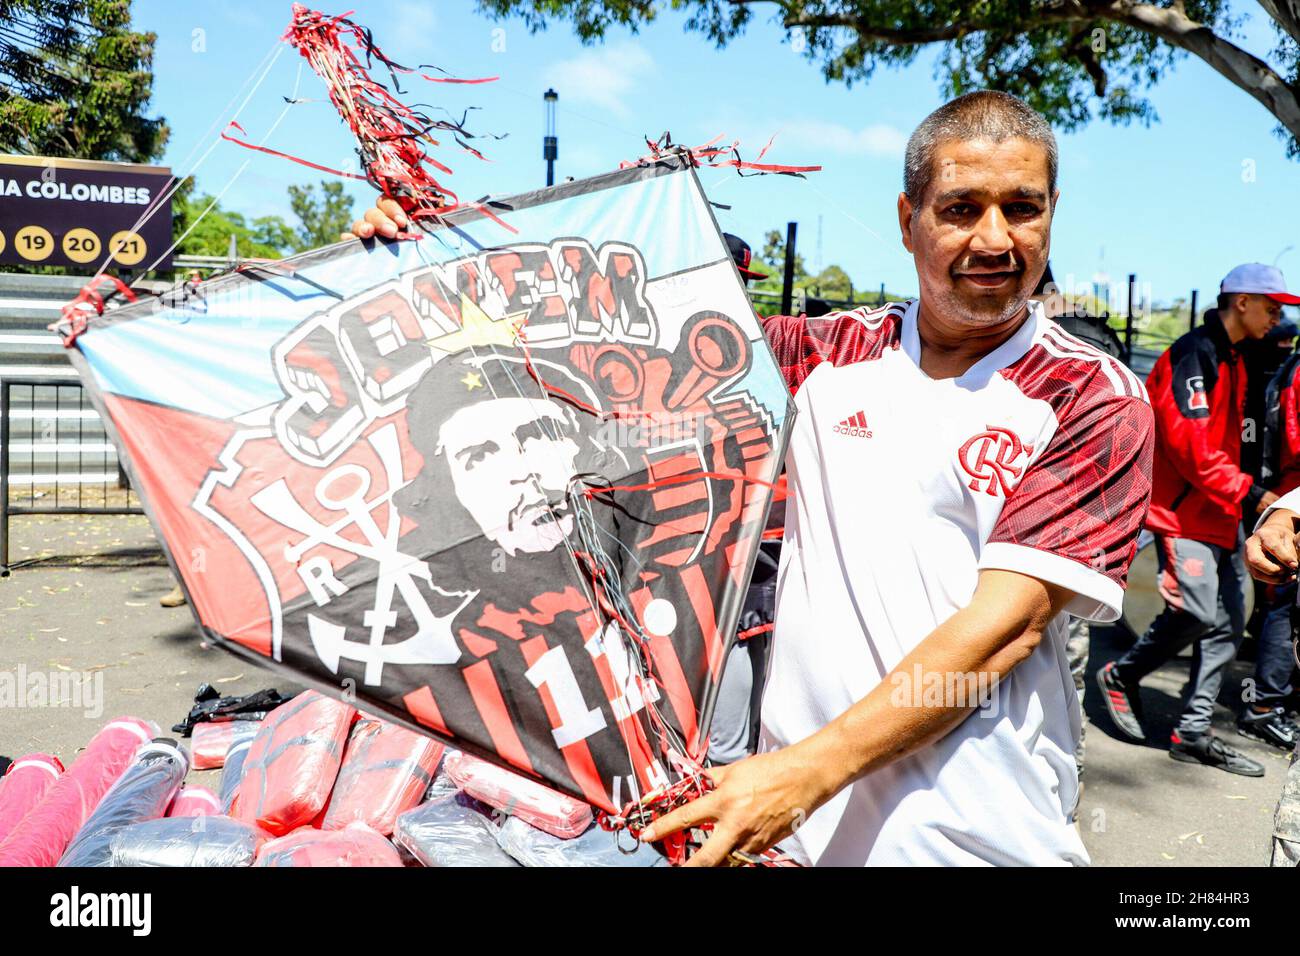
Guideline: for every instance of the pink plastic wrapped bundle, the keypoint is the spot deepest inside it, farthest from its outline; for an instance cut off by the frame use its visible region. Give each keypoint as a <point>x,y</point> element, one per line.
<point>557,814</point>
<point>386,770</point>
<point>194,802</point>
<point>177,841</point>
<point>23,785</point>
<point>356,845</point>
<point>143,792</point>
<point>293,762</point>
<point>212,740</point>
<point>47,829</point>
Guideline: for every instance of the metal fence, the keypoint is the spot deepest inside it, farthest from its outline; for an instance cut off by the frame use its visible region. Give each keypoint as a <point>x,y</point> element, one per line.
<point>55,457</point>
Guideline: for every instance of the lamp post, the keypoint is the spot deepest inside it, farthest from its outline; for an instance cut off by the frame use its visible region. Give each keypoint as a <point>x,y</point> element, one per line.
<point>551,142</point>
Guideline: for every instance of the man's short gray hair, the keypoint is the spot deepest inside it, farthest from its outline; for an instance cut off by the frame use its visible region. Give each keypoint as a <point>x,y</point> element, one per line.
<point>985,114</point>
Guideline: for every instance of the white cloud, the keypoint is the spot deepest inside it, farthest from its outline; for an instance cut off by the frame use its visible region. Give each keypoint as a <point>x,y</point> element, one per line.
<point>602,77</point>
<point>878,139</point>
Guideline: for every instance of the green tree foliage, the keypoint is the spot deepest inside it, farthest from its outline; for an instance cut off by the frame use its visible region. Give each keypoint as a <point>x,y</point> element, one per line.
<point>321,216</point>
<point>833,283</point>
<point>1070,59</point>
<point>266,237</point>
<point>75,81</point>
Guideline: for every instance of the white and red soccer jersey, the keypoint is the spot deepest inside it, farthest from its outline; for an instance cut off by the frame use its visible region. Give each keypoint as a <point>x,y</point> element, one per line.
<point>902,488</point>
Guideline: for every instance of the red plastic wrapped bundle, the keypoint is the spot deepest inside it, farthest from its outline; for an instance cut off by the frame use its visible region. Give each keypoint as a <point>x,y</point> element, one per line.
<point>212,740</point>
<point>195,802</point>
<point>47,829</point>
<point>293,762</point>
<point>386,770</point>
<point>557,814</point>
<point>23,785</point>
<point>357,845</point>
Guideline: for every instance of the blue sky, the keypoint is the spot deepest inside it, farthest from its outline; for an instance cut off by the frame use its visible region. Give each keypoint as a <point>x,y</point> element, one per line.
<point>1171,202</point>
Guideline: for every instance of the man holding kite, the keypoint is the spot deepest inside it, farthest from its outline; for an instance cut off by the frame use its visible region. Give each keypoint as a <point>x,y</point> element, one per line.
<point>962,472</point>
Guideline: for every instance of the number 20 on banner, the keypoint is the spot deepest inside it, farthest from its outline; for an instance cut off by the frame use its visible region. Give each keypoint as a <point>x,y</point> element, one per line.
<point>79,245</point>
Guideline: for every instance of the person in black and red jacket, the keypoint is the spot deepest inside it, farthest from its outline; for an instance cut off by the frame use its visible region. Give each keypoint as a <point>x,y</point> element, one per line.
<point>1265,715</point>
<point>1198,392</point>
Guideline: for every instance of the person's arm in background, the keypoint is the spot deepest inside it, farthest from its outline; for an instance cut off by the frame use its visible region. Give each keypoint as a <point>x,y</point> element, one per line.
<point>1182,402</point>
<point>1287,437</point>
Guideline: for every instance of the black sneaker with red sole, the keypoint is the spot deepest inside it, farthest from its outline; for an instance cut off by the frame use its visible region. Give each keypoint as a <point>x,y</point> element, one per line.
<point>1123,703</point>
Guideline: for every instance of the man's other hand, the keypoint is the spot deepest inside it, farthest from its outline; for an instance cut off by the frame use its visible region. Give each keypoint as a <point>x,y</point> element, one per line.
<point>1271,551</point>
<point>385,219</point>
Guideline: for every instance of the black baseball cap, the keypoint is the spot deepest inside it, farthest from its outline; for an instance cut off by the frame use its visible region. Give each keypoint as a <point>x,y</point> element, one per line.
<point>742,255</point>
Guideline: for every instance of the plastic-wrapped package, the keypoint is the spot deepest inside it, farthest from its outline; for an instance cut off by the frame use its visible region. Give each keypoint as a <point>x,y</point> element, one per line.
<point>448,831</point>
<point>597,847</point>
<point>386,770</point>
<point>187,841</point>
<point>356,845</point>
<point>556,813</point>
<point>212,740</point>
<point>232,772</point>
<point>47,829</point>
<point>23,785</point>
<point>293,762</point>
<point>143,792</point>
<point>442,785</point>
<point>194,802</point>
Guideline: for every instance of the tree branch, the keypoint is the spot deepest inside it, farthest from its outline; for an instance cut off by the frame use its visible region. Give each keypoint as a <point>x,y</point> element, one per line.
<point>1245,70</point>
<point>1081,49</point>
<point>1070,12</point>
<point>1286,14</point>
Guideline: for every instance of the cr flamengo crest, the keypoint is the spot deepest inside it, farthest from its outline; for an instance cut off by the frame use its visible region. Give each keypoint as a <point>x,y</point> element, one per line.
<point>995,460</point>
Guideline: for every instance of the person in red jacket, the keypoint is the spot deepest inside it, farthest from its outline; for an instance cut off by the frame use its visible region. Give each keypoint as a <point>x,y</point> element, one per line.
<point>1198,392</point>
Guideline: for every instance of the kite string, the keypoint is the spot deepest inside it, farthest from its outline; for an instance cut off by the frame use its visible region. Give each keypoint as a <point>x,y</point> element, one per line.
<point>75,315</point>
<point>176,182</point>
<point>289,104</point>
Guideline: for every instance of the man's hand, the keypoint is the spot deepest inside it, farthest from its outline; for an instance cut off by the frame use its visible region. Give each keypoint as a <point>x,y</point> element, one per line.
<point>757,802</point>
<point>762,800</point>
<point>1265,502</point>
<point>1271,551</point>
<point>385,218</point>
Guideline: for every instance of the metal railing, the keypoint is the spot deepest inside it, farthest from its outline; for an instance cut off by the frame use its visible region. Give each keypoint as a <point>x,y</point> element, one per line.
<point>53,445</point>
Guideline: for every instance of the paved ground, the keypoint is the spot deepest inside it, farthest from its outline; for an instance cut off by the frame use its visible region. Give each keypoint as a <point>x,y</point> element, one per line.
<point>1140,807</point>
<point>98,614</point>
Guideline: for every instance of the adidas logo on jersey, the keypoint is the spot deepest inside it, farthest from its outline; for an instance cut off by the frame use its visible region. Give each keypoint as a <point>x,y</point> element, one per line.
<point>855,426</point>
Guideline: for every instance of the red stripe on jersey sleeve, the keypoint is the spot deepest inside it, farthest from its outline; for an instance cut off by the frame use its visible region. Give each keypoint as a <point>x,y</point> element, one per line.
<point>800,344</point>
<point>1086,496</point>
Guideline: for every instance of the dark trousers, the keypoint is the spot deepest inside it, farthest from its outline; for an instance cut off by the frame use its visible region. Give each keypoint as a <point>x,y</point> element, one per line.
<point>1205,607</point>
<point>1275,658</point>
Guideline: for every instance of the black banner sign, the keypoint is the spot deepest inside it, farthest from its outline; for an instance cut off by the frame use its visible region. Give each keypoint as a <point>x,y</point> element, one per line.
<point>79,213</point>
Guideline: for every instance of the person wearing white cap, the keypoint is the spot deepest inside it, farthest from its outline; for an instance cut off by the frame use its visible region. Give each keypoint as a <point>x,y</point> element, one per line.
<point>1199,494</point>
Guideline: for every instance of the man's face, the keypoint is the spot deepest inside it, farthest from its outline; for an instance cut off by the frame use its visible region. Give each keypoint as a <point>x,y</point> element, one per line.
<point>511,460</point>
<point>981,233</point>
<point>1258,314</point>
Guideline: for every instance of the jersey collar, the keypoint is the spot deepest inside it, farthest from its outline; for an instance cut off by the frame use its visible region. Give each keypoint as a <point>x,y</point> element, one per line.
<point>1006,354</point>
